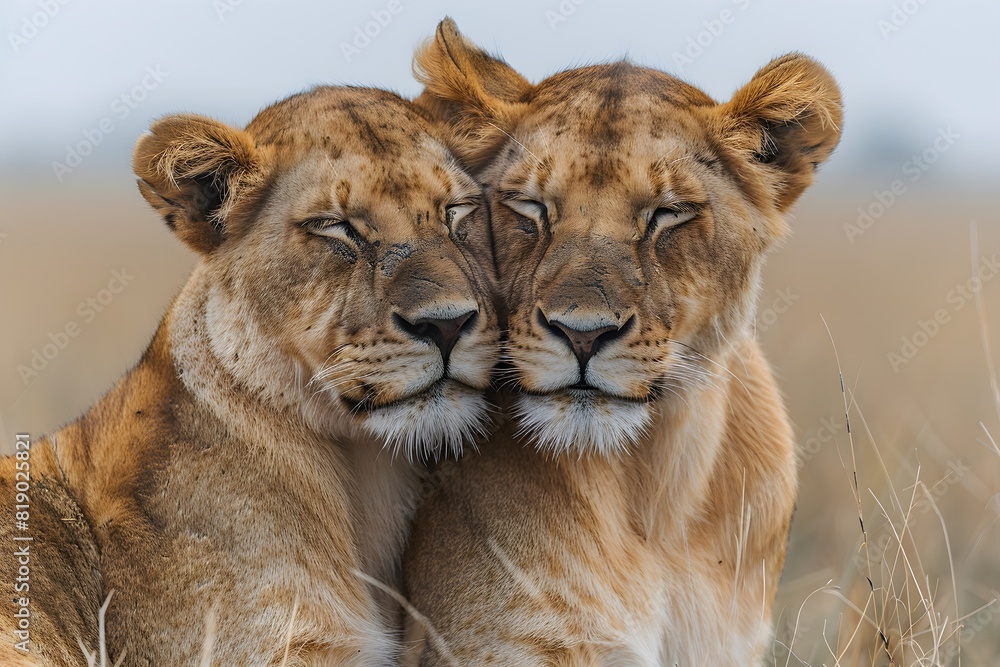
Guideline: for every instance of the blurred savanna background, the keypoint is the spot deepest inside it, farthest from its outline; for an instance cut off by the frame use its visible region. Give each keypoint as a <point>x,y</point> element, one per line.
<point>892,267</point>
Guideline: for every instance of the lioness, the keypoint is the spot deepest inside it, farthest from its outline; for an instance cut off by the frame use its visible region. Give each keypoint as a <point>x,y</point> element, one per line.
<point>233,491</point>
<point>631,215</point>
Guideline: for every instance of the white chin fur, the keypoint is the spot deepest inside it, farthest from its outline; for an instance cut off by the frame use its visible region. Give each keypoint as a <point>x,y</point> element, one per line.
<point>433,424</point>
<point>592,424</point>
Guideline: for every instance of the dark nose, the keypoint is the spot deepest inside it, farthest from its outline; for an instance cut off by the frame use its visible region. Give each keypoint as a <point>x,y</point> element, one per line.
<point>442,332</point>
<point>585,342</point>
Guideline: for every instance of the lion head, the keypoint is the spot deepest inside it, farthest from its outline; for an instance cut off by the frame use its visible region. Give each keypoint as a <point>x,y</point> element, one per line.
<point>631,215</point>
<point>336,237</point>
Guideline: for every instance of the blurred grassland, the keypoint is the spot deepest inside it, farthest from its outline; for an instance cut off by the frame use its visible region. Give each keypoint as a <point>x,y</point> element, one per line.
<point>59,246</point>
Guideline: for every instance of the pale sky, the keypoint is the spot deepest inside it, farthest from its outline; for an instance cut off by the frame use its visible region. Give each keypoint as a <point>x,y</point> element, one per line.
<point>909,68</point>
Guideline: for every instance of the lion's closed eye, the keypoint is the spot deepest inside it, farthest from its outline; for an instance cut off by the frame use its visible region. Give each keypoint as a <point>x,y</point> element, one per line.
<point>533,210</point>
<point>334,228</point>
<point>456,213</point>
<point>668,218</point>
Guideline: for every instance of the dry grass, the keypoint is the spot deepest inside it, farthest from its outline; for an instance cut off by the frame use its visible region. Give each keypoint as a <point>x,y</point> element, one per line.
<point>899,601</point>
<point>895,611</point>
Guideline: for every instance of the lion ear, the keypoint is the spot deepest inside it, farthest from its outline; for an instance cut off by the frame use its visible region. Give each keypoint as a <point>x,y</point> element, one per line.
<point>477,96</point>
<point>192,170</point>
<point>785,122</point>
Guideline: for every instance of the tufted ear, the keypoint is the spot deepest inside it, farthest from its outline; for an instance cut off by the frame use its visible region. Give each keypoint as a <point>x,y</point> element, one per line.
<point>785,122</point>
<point>478,96</point>
<point>192,170</point>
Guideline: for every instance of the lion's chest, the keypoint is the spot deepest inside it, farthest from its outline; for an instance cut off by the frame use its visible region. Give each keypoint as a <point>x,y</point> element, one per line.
<point>652,611</point>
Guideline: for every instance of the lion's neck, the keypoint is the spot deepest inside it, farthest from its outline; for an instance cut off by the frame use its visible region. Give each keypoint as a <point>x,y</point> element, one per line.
<point>678,458</point>
<point>241,394</point>
<point>261,393</point>
<point>664,478</point>
<point>223,354</point>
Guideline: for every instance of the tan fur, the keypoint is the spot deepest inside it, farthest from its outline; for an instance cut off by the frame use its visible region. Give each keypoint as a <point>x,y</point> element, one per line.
<point>651,527</point>
<point>231,487</point>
